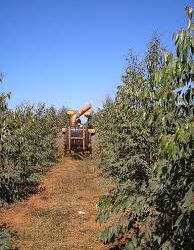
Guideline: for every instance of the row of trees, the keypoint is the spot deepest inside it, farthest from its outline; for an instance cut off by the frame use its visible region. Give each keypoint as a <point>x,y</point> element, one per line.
<point>27,145</point>
<point>146,144</point>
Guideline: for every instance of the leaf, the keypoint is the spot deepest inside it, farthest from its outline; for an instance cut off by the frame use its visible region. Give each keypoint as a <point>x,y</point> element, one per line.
<point>129,246</point>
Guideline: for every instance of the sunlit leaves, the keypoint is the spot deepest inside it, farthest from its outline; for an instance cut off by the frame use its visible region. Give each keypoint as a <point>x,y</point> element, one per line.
<point>146,142</point>
<point>27,144</point>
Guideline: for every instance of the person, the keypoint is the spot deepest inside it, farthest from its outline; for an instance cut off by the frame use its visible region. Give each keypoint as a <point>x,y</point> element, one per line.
<point>79,123</point>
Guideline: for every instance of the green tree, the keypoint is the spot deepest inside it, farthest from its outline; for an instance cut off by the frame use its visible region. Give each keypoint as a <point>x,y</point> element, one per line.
<point>149,150</point>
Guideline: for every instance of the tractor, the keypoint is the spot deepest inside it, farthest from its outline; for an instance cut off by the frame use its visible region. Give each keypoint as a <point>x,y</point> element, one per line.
<point>77,136</point>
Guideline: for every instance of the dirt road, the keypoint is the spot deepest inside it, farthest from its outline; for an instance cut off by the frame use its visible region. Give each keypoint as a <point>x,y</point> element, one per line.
<point>62,216</point>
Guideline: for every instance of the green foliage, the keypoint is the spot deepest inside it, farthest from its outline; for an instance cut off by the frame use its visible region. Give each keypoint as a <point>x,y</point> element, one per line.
<point>146,143</point>
<point>5,239</point>
<point>27,145</point>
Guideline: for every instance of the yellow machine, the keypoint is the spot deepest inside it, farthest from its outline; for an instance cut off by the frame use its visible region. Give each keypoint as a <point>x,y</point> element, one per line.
<point>78,137</point>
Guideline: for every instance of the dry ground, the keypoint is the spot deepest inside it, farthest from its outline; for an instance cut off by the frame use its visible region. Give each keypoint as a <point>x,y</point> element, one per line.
<point>62,216</point>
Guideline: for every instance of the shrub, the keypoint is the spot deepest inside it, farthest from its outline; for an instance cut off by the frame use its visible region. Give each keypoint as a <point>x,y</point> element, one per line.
<point>27,145</point>
<point>146,138</point>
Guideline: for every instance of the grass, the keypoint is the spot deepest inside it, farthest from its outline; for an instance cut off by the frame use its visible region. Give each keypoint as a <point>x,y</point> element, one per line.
<point>47,230</point>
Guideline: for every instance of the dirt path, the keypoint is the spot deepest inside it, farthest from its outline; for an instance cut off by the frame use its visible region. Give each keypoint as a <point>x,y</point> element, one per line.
<point>62,216</point>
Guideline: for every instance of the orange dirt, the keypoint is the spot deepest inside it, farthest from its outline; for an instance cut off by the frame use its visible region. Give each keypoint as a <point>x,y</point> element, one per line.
<point>62,216</point>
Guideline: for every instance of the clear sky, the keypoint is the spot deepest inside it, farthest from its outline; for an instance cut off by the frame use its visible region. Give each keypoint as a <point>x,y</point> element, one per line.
<point>72,52</point>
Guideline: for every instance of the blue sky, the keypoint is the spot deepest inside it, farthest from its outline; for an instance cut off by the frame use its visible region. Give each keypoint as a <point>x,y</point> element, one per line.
<point>72,52</point>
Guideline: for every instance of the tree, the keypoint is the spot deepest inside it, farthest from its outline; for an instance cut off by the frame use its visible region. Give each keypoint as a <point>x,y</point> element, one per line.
<point>149,150</point>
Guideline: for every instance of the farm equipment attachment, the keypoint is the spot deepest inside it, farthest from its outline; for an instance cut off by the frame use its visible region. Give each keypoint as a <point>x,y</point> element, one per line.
<point>78,137</point>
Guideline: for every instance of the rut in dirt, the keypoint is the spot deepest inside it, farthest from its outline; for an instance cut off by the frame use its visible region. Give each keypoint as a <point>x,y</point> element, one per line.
<point>62,215</point>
